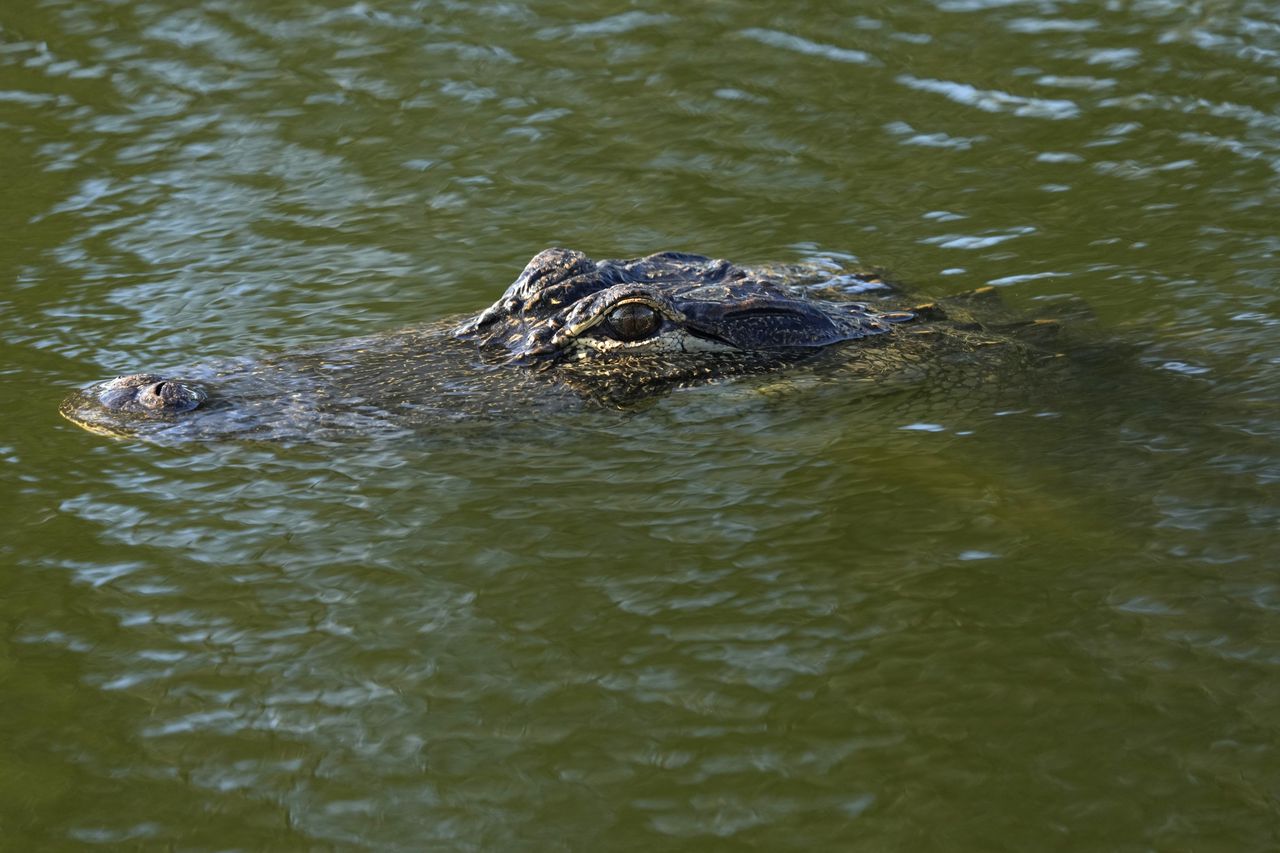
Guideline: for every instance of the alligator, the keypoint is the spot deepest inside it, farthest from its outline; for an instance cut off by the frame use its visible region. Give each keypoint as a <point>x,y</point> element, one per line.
<point>571,331</point>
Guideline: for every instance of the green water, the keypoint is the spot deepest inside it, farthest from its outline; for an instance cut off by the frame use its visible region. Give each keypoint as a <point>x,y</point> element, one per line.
<point>800,619</point>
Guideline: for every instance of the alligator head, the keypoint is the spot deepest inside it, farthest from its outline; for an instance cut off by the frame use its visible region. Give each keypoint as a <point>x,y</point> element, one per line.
<point>612,331</point>
<point>565,307</point>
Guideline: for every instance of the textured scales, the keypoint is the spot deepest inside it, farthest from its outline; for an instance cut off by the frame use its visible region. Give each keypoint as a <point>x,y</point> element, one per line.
<point>569,331</point>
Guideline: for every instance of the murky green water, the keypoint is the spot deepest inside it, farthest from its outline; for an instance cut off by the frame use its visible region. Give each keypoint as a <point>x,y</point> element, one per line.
<point>805,620</point>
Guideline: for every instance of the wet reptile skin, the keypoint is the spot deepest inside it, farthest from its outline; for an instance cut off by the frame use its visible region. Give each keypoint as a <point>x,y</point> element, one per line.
<point>571,332</point>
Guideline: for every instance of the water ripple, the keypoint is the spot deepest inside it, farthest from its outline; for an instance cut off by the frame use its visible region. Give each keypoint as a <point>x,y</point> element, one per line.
<point>786,41</point>
<point>779,612</point>
<point>994,101</point>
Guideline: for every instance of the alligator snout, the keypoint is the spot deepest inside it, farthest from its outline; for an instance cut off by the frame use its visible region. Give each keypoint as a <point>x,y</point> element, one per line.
<point>148,393</point>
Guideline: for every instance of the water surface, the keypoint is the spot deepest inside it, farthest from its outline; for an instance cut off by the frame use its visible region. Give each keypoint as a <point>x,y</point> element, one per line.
<point>753,617</point>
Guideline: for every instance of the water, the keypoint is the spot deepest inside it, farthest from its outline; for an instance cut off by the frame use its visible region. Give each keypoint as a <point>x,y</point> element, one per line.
<point>779,618</point>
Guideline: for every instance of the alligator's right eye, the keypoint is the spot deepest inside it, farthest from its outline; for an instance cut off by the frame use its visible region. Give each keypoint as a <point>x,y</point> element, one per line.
<point>633,321</point>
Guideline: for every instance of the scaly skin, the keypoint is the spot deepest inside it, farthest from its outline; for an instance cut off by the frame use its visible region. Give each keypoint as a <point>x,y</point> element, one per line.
<point>569,332</point>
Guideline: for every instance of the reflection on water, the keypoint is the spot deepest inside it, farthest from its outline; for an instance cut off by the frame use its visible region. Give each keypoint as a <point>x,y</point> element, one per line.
<point>788,615</point>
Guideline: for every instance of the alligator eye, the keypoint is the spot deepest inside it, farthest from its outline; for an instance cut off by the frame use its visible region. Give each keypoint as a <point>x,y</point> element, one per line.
<point>633,321</point>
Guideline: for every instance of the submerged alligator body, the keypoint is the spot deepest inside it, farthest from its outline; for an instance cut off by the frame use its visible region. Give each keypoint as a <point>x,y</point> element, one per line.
<point>571,331</point>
